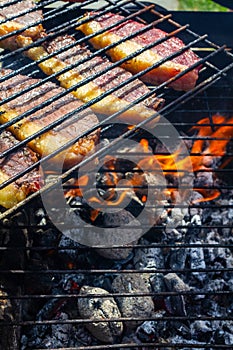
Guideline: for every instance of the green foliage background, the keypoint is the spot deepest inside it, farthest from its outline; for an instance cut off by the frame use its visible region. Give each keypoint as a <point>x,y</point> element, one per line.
<point>199,5</point>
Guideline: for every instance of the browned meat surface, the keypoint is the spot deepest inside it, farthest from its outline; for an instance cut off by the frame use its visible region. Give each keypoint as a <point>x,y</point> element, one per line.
<point>14,164</point>
<point>115,76</point>
<point>20,22</point>
<point>146,59</point>
<point>49,141</point>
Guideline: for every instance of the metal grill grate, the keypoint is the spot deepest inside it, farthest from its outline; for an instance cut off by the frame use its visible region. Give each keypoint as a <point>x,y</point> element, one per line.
<point>210,70</point>
<point>183,110</point>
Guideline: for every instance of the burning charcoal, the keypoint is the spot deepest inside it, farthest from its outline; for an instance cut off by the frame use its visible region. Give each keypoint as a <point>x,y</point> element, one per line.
<point>38,333</point>
<point>174,220</point>
<point>216,285</point>
<point>79,336</point>
<point>177,258</point>
<point>40,215</point>
<point>195,197</point>
<point>71,283</point>
<point>145,180</point>
<point>5,306</point>
<point>230,210</point>
<point>50,309</point>
<point>115,220</point>
<point>59,334</point>
<point>197,261</point>
<point>131,339</point>
<point>201,330</point>
<point>97,308</point>
<point>224,334</point>
<point>133,306</point>
<point>204,179</point>
<point>153,184</point>
<point>228,332</point>
<point>122,227</point>
<point>117,253</point>
<point>157,283</point>
<point>190,343</point>
<point>176,303</point>
<point>148,258</point>
<point>179,328</point>
<point>175,283</point>
<point>8,335</point>
<point>150,331</point>
<point>46,238</point>
<point>68,255</point>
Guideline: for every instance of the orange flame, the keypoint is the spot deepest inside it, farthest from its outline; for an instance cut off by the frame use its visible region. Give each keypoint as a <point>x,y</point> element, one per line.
<point>77,191</point>
<point>210,142</point>
<point>145,145</point>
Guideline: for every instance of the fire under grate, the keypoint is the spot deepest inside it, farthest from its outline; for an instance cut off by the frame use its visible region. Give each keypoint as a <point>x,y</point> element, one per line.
<point>173,286</point>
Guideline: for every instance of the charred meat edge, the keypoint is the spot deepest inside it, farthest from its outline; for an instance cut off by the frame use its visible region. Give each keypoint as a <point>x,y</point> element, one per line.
<point>51,140</point>
<point>14,164</point>
<point>149,57</point>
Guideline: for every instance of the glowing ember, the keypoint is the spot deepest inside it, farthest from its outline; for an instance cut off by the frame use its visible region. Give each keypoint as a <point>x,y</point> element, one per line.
<point>78,185</point>
<point>210,143</point>
<point>145,145</point>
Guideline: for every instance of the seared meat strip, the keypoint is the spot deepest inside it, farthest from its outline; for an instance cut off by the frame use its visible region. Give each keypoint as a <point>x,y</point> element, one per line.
<point>50,141</point>
<point>20,22</point>
<point>113,78</point>
<point>12,165</point>
<point>149,57</point>
<point>108,105</point>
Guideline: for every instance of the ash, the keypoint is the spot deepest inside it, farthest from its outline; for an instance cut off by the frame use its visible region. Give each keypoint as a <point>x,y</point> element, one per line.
<point>188,276</point>
<point>181,293</point>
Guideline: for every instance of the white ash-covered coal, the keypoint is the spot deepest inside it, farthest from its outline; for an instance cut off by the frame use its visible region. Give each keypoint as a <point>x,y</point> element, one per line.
<point>173,285</point>
<point>187,275</point>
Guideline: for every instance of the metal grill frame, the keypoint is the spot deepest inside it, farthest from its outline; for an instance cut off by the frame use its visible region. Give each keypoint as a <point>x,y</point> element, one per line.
<point>159,90</point>
<point>167,110</point>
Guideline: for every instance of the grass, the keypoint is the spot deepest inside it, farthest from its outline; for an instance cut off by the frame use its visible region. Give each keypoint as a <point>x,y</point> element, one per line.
<point>199,5</point>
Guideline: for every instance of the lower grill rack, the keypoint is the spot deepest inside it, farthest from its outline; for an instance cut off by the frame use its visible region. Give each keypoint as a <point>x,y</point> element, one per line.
<point>132,247</point>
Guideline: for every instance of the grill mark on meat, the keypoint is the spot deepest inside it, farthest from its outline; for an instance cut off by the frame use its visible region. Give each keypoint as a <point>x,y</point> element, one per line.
<point>108,105</point>
<point>115,76</point>
<point>14,164</point>
<point>50,141</point>
<point>147,58</point>
<point>19,22</point>
<point>87,92</point>
<point>19,7</point>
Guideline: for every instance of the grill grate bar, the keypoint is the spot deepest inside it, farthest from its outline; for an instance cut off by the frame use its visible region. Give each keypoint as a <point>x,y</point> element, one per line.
<point>190,31</point>
<point>115,271</point>
<point>39,6</point>
<point>92,102</point>
<point>14,273</point>
<point>55,75</point>
<point>116,64</point>
<point>120,319</point>
<point>138,246</point>
<point>62,28</point>
<point>65,70</point>
<point>158,227</point>
<point>104,150</point>
<point>147,345</point>
<point>116,295</point>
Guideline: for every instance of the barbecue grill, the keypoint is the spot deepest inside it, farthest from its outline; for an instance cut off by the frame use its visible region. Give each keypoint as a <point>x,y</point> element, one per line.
<point>189,266</point>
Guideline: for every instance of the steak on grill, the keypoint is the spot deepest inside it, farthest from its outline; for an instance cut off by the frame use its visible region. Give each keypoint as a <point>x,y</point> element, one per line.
<point>87,92</point>
<point>110,104</point>
<point>51,140</point>
<point>28,19</point>
<point>149,57</point>
<point>111,79</point>
<point>14,164</point>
